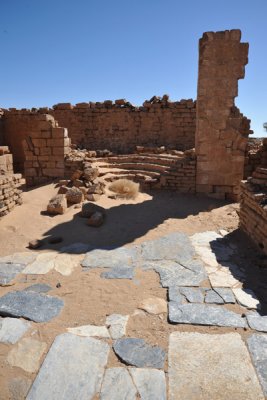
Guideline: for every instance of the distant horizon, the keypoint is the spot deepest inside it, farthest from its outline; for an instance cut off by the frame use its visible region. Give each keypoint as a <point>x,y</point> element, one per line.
<point>87,51</point>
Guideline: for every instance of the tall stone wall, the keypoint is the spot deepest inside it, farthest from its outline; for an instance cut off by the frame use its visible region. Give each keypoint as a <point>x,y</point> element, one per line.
<point>120,127</point>
<point>221,130</point>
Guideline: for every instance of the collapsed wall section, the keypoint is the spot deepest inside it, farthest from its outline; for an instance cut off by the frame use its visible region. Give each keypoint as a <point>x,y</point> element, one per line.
<point>120,126</point>
<point>221,130</point>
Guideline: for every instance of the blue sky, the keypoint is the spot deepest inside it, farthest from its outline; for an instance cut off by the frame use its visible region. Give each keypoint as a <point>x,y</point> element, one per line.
<point>81,50</point>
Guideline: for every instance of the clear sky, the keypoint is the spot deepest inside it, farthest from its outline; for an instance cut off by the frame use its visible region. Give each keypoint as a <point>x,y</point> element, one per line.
<point>83,50</point>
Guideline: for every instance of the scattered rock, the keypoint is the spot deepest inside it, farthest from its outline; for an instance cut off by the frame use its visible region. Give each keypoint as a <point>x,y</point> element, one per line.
<point>11,330</point>
<point>247,298</point>
<point>35,244</point>
<point>55,239</point>
<point>118,385</point>
<point>30,305</point>
<point>257,345</point>
<point>90,174</point>
<point>9,271</point>
<point>93,197</point>
<point>217,366</point>
<point>154,305</point>
<point>137,352</point>
<point>57,205</point>
<point>201,314</point>
<point>74,195</point>
<point>116,324</point>
<point>38,287</point>
<point>72,369</point>
<point>90,331</point>
<point>76,175</point>
<point>27,354</point>
<point>96,219</point>
<point>150,383</point>
<point>118,273</point>
<point>88,209</point>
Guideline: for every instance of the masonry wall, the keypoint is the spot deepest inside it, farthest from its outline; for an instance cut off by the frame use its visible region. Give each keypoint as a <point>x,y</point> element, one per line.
<point>120,127</point>
<point>221,130</point>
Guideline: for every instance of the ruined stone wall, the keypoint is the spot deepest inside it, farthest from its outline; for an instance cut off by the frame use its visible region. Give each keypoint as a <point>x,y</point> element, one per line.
<point>120,127</point>
<point>37,143</point>
<point>6,161</point>
<point>221,130</point>
<point>10,192</point>
<point>255,155</point>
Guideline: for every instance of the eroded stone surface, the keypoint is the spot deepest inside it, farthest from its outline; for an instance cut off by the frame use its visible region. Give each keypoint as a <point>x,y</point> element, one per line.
<point>8,272</point>
<point>118,385</point>
<point>205,367</point>
<point>30,305</point>
<point>150,383</point>
<point>154,305</point>
<point>72,369</point>
<point>11,329</point>
<point>258,349</point>
<point>27,354</point>
<point>90,330</point>
<point>201,314</point>
<point>138,353</point>
<point>43,263</point>
<point>116,324</point>
<point>64,264</point>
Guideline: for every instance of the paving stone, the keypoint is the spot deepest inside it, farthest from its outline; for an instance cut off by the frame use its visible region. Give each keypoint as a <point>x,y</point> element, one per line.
<point>8,272</point>
<point>64,264</point>
<point>202,314</point>
<point>174,274</point>
<point>224,278</point>
<point>116,324</point>
<point>154,305</point>
<point>43,263</point>
<point>150,383</point>
<point>247,298</point>
<point>205,367</point>
<point>38,288</point>
<point>19,387</point>
<point>27,354</point>
<point>11,330</point>
<point>19,258</point>
<point>76,248</point>
<point>221,250</point>
<point>193,295</point>
<point>175,246</point>
<point>213,297</point>
<point>137,352</point>
<point>118,385</point>
<point>226,294</point>
<point>121,257</point>
<point>30,305</point>
<point>257,322</point>
<point>174,294</point>
<point>204,238</point>
<point>90,330</point>
<point>257,345</point>
<point>118,273</point>
<point>72,369</point>
<point>206,255</point>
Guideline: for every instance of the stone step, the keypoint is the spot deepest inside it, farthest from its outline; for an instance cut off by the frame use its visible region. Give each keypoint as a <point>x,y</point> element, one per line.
<point>143,179</point>
<point>137,172</point>
<point>146,168</point>
<point>167,160</point>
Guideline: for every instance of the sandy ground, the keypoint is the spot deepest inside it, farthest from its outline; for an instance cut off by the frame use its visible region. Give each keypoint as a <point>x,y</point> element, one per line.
<point>88,298</point>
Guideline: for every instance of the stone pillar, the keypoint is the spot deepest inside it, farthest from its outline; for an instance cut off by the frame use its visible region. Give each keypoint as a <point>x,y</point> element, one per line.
<point>221,130</point>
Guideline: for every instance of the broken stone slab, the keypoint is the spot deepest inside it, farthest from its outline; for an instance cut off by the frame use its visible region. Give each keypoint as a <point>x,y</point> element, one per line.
<point>118,273</point>
<point>73,369</point>
<point>202,314</point>
<point>257,322</point>
<point>150,383</point>
<point>174,274</point>
<point>27,354</point>
<point>154,305</point>
<point>247,298</point>
<point>224,278</point>
<point>30,305</point>
<point>110,258</point>
<point>38,288</point>
<point>116,324</point>
<point>175,246</point>
<point>207,256</point>
<point>11,330</point>
<point>9,271</point>
<point>204,238</point>
<point>64,264</point>
<point>43,263</point>
<point>205,366</point>
<point>118,385</point>
<point>257,345</point>
<point>90,331</point>
<point>193,295</point>
<point>226,294</point>
<point>213,297</point>
<point>137,352</point>
<point>174,294</point>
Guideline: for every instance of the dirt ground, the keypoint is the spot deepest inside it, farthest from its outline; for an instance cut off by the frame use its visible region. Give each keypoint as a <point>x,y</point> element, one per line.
<point>88,298</point>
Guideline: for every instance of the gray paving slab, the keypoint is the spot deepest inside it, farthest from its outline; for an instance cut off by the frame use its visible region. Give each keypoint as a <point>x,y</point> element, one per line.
<point>8,271</point>
<point>257,322</point>
<point>118,273</point>
<point>12,329</point>
<point>150,383</point>
<point>257,345</point>
<point>118,385</point>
